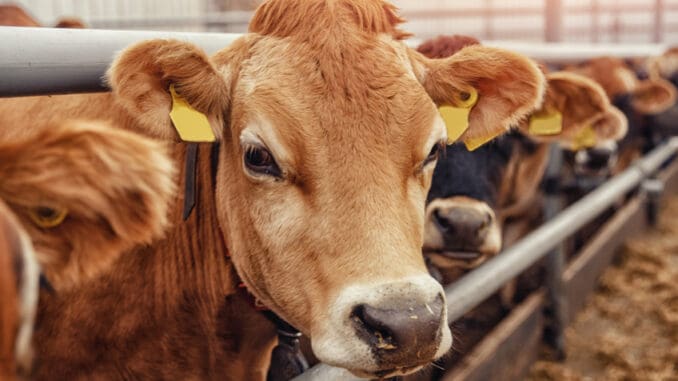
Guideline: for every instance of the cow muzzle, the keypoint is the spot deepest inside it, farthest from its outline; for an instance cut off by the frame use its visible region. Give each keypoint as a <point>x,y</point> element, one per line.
<point>386,330</point>
<point>596,160</point>
<point>460,230</point>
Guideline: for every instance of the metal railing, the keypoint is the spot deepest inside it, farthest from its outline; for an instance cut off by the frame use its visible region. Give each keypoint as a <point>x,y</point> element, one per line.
<point>47,61</point>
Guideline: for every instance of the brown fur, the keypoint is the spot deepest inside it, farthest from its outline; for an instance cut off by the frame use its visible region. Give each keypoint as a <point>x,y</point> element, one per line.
<point>70,23</point>
<point>114,184</point>
<point>13,15</point>
<point>171,310</point>
<point>650,96</point>
<point>9,296</point>
<point>445,46</point>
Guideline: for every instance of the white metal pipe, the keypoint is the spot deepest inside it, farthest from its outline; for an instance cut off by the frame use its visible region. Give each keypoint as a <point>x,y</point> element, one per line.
<point>47,61</point>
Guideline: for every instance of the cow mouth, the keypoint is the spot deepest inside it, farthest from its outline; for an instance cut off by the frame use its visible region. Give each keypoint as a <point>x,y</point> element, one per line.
<point>456,254</point>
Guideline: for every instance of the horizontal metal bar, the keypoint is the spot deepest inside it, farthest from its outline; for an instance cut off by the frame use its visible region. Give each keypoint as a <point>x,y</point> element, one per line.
<point>479,284</point>
<point>211,19</point>
<point>48,61</point>
<point>577,52</point>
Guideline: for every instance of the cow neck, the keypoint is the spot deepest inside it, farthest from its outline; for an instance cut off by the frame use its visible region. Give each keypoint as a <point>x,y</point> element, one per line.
<point>286,356</point>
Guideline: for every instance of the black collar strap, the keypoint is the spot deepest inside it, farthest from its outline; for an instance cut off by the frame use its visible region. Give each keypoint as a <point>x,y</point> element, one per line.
<point>287,361</point>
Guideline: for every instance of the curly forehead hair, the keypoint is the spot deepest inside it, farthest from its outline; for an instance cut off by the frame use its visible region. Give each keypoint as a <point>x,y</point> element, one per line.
<point>445,46</point>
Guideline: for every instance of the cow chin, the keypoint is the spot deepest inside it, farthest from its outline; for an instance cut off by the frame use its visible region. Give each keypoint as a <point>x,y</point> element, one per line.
<point>385,329</point>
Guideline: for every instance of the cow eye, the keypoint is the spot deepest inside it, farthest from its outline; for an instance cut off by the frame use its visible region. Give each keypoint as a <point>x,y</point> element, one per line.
<point>47,217</point>
<point>260,161</point>
<point>433,155</point>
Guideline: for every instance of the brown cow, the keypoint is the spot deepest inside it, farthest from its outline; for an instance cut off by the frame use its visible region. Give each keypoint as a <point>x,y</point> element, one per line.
<point>82,193</point>
<point>18,297</point>
<point>314,197</point>
<point>638,99</point>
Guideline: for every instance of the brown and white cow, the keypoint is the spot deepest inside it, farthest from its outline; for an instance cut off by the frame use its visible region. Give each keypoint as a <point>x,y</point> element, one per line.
<point>19,273</point>
<point>328,135</point>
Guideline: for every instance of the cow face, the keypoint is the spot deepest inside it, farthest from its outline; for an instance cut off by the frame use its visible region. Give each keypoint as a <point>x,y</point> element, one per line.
<point>19,273</point>
<point>85,193</point>
<point>329,135</point>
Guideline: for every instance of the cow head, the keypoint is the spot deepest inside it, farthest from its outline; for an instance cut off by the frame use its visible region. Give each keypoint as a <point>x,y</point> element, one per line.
<point>85,193</point>
<point>649,96</point>
<point>329,134</point>
<point>474,192</point>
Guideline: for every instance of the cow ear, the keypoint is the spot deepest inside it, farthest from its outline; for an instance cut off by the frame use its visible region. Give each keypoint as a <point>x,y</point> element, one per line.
<point>611,125</point>
<point>156,77</point>
<point>654,96</point>
<point>508,86</point>
<point>571,101</point>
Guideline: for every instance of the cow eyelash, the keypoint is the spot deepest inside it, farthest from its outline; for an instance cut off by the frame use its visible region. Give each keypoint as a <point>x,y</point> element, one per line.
<point>434,154</point>
<point>260,161</point>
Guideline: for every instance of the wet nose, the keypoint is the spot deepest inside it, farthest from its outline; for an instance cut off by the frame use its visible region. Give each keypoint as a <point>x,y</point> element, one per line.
<point>401,334</point>
<point>599,157</point>
<point>462,227</point>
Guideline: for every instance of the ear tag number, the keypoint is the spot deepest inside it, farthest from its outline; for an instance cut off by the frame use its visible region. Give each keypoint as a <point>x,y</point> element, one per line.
<point>546,124</point>
<point>191,124</point>
<point>586,138</point>
<point>456,117</point>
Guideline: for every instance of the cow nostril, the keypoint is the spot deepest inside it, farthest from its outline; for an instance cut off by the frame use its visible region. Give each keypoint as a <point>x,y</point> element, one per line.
<point>373,326</point>
<point>487,220</point>
<point>442,221</point>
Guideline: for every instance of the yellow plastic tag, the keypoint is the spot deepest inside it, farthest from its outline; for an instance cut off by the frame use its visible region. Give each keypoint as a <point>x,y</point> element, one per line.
<point>473,144</point>
<point>456,121</point>
<point>546,124</point>
<point>456,118</point>
<point>586,138</point>
<point>191,124</point>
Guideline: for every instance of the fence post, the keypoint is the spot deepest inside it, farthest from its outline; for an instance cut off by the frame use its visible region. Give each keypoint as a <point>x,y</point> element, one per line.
<point>556,309</point>
<point>595,21</point>
<point>553,20</point>
<point>658,21</point>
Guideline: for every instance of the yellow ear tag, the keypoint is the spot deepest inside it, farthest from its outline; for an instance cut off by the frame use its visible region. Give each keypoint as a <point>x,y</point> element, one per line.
<point>586,138</point>
<point>456,118</point>
<point>473,144</point>
<point>191,124</point>
<point>546,124</point>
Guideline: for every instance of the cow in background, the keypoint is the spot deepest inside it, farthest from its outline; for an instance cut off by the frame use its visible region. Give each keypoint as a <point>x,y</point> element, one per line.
<point>72,198</point>
<point>286,203</point>
<point>639,100</point>
<point>19,272</point>
<point>14,15</point>
<point>85,193</point>
<point>474,193</point>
